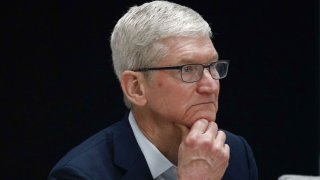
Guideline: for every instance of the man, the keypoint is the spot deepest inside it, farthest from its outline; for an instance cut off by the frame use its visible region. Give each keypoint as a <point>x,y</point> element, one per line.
<point>169,73</point>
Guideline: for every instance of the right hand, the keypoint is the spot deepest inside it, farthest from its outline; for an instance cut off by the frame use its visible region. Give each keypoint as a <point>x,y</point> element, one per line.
<point>203,154</point>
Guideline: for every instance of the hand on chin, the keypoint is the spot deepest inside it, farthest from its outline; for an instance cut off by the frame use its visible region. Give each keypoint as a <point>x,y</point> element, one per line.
<point>206,115</point>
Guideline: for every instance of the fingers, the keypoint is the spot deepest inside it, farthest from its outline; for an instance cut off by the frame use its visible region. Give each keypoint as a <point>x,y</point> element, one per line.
<point>199,126</point>
<point>206,134</point>
<point>217,138</point>
<point>211,132</point>
<point>203,153</point>
<point>227,150</point>
<point>196,134</point>
<point>220,139</point>
<point>220,147</point>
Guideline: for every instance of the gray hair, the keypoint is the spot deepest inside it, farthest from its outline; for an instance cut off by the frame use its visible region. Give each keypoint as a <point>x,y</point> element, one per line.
<point>135,40</point>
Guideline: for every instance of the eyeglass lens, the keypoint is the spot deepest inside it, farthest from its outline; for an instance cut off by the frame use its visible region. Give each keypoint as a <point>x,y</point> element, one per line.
<point>192,73</point>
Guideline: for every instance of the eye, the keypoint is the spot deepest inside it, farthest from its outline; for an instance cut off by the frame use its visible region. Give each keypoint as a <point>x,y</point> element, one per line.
<point>213,65</point>
<point>189,69</point>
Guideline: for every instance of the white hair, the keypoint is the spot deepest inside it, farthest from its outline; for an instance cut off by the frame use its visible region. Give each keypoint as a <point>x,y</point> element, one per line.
<point>135,40</point>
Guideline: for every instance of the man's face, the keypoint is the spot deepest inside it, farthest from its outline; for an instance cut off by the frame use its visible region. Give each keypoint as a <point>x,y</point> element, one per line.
<point>172,100</point>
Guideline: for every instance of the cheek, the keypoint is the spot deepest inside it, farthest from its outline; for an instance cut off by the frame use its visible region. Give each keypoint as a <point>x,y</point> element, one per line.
<point>169,93</point>
<point>160,84</point>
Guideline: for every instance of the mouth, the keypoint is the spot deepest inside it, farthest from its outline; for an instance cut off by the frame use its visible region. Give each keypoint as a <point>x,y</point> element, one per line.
<point>204,103</point>
<point>201,110</point>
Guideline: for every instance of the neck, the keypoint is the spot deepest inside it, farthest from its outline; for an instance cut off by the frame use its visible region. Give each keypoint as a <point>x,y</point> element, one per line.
<point>162,133</point>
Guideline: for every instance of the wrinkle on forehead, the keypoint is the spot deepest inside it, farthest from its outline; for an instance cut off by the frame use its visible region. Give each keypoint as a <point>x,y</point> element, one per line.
<point>189,50</point>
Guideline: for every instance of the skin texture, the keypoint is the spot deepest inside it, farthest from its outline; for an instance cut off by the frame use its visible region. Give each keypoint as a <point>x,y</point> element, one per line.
<point>178,117</point>
<point>203,153</point>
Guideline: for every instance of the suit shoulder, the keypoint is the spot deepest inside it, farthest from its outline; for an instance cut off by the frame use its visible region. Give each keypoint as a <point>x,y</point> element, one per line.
<point>242,162</point>
<point>93,153</point>
<point>238,145</point>
<point>231,137</point>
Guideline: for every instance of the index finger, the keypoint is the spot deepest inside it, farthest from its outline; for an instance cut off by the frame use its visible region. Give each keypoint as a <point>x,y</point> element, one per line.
<point>199,127</point>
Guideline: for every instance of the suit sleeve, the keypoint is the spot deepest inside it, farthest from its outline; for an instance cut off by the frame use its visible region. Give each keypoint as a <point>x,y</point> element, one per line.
<point>253,170</point>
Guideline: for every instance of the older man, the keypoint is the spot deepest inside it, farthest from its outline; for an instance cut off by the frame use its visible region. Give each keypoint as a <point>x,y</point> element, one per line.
<point>169,73</point>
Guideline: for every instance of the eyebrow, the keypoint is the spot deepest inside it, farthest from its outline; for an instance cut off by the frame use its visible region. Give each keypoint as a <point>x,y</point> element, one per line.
<point>192,61</point>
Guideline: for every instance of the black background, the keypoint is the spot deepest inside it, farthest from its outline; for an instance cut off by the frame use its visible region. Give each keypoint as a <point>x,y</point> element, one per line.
<point>59,86</point>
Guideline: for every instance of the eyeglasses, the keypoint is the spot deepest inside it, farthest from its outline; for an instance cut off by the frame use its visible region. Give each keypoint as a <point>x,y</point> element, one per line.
<point>193,72</point>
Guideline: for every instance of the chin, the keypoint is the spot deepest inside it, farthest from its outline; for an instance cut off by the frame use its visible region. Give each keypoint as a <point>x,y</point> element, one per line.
<point>209,116</point>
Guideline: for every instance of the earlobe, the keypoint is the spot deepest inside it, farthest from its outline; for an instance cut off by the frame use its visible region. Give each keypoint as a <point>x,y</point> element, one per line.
<point>133,87</point>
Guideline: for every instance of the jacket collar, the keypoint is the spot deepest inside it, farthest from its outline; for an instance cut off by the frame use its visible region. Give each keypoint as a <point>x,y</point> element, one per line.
<point>127,153</point>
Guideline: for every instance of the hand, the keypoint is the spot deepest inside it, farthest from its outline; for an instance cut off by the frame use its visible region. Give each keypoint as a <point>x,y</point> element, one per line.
<point>203,154</point>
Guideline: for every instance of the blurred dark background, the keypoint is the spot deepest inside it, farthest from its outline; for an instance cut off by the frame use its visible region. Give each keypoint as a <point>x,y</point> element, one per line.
<point>59,86</point>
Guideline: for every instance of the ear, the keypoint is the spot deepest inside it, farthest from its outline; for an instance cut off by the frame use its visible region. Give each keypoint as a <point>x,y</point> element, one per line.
<point>132,84</point>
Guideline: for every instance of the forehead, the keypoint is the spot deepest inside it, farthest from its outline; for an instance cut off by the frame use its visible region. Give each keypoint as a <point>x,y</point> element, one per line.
<point>186,50</point>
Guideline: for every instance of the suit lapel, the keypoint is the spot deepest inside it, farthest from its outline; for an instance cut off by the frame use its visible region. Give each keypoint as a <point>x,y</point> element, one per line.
<point>127,153</point>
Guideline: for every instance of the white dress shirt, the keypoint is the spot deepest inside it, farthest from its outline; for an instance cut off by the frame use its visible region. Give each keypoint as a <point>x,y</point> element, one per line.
<point>160,167</point>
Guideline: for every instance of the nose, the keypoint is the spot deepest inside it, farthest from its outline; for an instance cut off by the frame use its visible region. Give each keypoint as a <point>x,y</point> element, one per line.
<point>207,85</point>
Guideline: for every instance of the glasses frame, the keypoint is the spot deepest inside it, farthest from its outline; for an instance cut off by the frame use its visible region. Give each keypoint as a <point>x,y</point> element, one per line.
<point>205,66</point>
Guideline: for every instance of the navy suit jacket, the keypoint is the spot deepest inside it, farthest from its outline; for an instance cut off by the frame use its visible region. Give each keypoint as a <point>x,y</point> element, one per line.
<point>114,153</point>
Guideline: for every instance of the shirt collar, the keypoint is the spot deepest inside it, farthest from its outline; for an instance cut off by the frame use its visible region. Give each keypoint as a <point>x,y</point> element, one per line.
<point>157,162</point>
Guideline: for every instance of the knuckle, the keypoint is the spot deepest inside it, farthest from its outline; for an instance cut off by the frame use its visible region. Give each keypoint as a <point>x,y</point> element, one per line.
<point>222,133</point>
<point>225,153</point>
<point>214,125</point>
<point>206,143</point>
<point>191,140</point>
<point>216,150</point>
<point>221,151</point>
<point>227,149</point>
